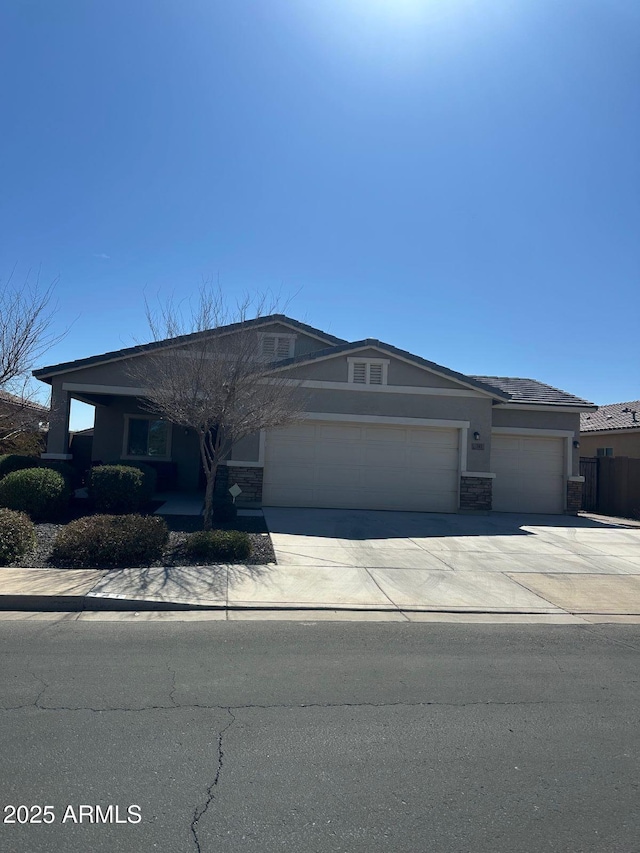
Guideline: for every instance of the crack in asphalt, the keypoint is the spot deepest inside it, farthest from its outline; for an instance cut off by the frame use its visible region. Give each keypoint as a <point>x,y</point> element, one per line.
<point>231,708</point>
<point>172,691</point>
<point>210,792</point>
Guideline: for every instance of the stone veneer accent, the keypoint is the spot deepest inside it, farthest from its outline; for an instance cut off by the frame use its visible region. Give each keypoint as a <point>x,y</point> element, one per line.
<point>249,480</point>
<point>475,493</point>
<point>574,496</point>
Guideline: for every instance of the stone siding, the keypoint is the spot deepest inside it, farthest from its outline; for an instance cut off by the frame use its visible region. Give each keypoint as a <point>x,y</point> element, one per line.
<point>574,497</point>
<point>475,493</point>
<point>249,480</point>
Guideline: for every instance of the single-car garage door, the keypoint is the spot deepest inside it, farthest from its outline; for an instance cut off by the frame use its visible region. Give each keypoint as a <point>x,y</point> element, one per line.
<point>529,473</point>
<point>362,466</point>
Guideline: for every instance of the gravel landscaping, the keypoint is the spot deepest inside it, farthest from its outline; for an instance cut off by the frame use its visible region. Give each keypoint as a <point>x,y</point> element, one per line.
<point>179,526</point>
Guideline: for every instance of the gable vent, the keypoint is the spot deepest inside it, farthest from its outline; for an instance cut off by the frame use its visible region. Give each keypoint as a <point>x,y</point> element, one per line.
<point>360,372</point>
<point>269,345</point>
<point>284,347</point>
<point>375,374</point>
<point>277,346</point>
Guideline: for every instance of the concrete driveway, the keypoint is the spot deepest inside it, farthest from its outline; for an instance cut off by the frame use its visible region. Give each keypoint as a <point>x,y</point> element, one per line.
<point>504,561</point>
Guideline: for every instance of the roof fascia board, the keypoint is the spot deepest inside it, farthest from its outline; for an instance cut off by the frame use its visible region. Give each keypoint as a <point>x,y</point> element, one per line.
<point>545,407</point>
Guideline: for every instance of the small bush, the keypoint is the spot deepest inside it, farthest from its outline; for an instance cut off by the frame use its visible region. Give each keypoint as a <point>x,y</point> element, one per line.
<point>218,546</point>
<point>11,462</point>
<point>17,535</point>
<point>68,471</point>
<point>41,493</point>
<point>106,541</point>
<point>118,488</point>
<point>150,479</point>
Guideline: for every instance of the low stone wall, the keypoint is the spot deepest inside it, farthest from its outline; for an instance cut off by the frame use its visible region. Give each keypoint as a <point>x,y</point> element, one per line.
<point>475,493</point>
<point>574,497</point>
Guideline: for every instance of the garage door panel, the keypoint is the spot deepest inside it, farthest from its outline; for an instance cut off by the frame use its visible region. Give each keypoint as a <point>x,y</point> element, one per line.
<point>440,438</point>
<point>529,473</point>
<point>362,466</point>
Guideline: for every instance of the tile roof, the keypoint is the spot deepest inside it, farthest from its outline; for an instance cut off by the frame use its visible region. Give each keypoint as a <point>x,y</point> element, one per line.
<point>21,403</point>
<point>532,391</point>
<point>612,416</point>
<point>45,372</point>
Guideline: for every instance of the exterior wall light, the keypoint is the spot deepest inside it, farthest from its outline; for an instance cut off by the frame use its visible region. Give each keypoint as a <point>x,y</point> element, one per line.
<point>476,436</point>
<point>576,444</point>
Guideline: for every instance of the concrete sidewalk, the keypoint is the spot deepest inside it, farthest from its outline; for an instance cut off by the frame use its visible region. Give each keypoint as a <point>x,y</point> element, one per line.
<point>235,588</point>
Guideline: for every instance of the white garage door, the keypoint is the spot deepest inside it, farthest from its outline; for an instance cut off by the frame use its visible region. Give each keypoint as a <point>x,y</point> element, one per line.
<point>529,473</point>
<point>362,466</point>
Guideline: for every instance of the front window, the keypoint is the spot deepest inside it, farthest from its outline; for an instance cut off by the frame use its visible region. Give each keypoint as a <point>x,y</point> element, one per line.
<point>147,437</point>
<point>604,451</point>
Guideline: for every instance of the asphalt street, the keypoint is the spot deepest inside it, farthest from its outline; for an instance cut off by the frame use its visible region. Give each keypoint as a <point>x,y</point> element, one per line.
<point>320,737</point>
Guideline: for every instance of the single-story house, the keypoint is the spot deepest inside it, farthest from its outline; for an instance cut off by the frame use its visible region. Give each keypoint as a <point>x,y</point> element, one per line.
<point>382,429</point>
<point>613,430</point>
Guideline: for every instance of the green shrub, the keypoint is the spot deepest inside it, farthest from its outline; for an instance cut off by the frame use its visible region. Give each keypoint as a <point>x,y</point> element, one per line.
<point>106,541</point>
<point>218,546</point>
<point>150,479</point>
<point>41,493</point>
<point>11,462</point>
<point>68,471</point>
<point>17,535</point>
<point>118,488</point>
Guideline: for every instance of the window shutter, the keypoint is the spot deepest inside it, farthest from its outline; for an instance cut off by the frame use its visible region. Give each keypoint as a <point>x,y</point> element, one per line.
<point>269,345</point>
<point>375,374</point>
<point>360,372</point>
<point>284,348</point>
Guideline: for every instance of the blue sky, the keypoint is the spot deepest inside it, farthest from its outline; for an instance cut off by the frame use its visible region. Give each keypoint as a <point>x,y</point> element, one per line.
<point>460,179</point>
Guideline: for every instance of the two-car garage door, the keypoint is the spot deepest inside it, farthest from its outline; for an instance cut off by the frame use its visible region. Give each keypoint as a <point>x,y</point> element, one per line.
<point>362,466</point>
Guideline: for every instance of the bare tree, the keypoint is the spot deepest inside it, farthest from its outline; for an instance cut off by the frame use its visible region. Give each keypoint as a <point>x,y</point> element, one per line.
<point>212,377</point>
<point>22,423</point>
<point>26,329</point>
<point>27,312</point>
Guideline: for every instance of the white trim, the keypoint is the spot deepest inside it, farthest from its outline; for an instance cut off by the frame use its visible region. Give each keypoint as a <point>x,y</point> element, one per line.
<point>464,448</point>
<point>123,390</point>
<point>62,456</point>
<point>326,385</point>
<point>546,407</point>
<point>384,420</point>
<point>483,474</point>
<point>567,434</point>
<point>125,438</point>
<point>575,479</point>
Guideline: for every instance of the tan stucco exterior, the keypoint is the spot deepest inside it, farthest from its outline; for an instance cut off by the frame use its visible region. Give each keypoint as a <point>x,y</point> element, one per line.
<point>623,442</point>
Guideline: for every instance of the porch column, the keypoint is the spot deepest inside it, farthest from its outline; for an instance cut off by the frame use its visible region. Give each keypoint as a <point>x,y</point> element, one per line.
<point>58,437</point>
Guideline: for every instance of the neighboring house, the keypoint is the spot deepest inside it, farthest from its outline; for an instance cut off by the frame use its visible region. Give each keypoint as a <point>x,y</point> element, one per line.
<point>23,424</point>
<point>613,430</point>
<point>383,429</point>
